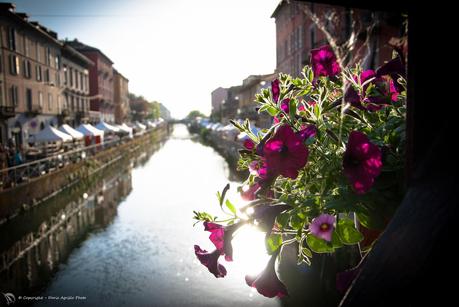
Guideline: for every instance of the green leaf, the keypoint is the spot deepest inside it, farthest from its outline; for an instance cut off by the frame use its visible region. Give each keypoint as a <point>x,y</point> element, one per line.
<point>282,219</point>
<point>336,241</point>
<point>319,245</point>
<point>273,242</point>
<point>230,206</point>
<point>307,252</point>
<point>272,110</point>
<point>347,232</point>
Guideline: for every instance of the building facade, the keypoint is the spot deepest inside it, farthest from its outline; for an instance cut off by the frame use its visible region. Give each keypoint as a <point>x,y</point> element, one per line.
<point>251,86</point>
<point>297,34</point>
<point>218,97</point>
<point>101,89</point>
<point>75,81</point>
<point>30,81</point>
<point>121,97</point>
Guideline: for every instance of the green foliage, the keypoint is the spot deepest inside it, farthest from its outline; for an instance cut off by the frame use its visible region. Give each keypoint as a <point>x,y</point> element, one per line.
<point>321,186</point>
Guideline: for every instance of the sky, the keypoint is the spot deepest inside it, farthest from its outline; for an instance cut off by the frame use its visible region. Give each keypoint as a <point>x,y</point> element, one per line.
<point>172,51</point>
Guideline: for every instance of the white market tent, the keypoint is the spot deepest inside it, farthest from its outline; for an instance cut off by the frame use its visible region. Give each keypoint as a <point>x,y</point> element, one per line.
<point>72,132</point>
<point>140,126</point>
<point>51,134</point>
<point>126,129</point>
<point>89,130</point>
<point>107,127</point>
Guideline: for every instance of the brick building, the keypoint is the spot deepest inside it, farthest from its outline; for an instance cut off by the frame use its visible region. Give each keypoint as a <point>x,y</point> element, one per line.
<point>218,96</point>
<point>121,97</point>
<point>101,89</point>
<point>30,81</point>
<point>251,86</point>
<point>75,71</point>
<point>297,35</point>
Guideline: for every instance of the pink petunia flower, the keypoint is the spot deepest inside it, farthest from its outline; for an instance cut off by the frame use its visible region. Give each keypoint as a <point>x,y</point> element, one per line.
<point>210,260</point>
<point>221,237</point>
<point>267,283</point>
<point>275,89</point>
<point>361,162</point>
<point>323,226</point>
<point>249,144</point>
<point>324,62</point>
<point>383,93</point>
<point>285,153</point>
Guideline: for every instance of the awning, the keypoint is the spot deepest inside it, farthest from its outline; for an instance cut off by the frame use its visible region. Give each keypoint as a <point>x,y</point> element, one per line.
<point>107,127</point>
<point>50,134</point>
<point>72,132</point>
<point>89,130</point>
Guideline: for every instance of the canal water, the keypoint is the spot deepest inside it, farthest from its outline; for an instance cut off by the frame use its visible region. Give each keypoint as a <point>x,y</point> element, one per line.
<point>126,239</point>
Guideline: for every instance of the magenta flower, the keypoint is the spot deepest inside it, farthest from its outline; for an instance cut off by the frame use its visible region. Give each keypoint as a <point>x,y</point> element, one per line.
<point>275,89</point>
<point>221,237</point>
<point>324,62</point>
<point>249,144</point>
<point>250,193</point>
<point>382,94</point>
<point>210,260</point>
<point>285,153</point>
<point>307,132</point>
<point>362,162</point>
<point>394,68</point>
<point>323,226</point>
<point>285,106</point>
<point>267,283</point>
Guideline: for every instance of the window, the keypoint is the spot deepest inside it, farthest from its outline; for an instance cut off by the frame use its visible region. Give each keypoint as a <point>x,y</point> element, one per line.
<point>12,38</point>
<point>81,81</point>
<point>14,95</point>
<point>76,79</point>
<point>40,99</point>
<point>27,69</point>
<point>65,75</point>
<point>47,75</point>
<point>50,101</point>
<point>59,107</point>
<point>71,77</point>
<point>58,78</point>
<point>38,52</point>
<point>14,64</point>
<point>29,99</point>
<point>26,46</point>
<point>39,74</point>
<point>48,56</point>
<point>58,62</point>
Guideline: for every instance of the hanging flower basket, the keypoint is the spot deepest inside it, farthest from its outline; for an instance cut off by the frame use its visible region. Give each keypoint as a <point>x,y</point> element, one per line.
<point>326,177</point>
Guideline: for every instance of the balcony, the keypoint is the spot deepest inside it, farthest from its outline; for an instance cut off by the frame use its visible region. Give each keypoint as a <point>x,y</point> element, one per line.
<point>34,110</point>
<point>7,111</point>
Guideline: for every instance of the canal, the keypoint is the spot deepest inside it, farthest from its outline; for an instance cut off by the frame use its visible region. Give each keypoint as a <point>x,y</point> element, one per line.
<point>127,238</point>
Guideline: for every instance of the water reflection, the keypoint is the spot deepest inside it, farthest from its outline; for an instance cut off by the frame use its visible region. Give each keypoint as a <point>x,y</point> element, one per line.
<point>142,251</point>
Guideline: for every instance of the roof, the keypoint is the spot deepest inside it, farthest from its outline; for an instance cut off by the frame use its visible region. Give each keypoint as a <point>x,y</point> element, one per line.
<point>70,52</point>
<point>278,7</point>
<point>76,44</point>
<point>9,10</point>
<point>116,72</point>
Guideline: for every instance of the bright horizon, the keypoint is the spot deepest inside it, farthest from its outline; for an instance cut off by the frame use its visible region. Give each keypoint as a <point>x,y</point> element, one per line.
<point>175,52</point>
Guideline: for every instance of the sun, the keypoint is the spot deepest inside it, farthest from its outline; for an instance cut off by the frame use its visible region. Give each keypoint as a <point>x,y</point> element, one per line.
<point>249,250</point>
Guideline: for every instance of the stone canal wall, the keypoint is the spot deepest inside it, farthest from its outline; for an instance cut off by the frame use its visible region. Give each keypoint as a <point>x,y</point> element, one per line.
<point>29,194</point>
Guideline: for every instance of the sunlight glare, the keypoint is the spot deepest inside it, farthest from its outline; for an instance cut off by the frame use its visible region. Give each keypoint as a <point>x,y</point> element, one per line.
<point>250,255</point>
